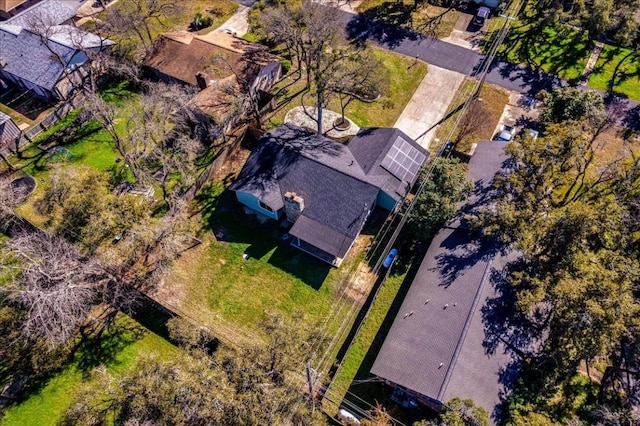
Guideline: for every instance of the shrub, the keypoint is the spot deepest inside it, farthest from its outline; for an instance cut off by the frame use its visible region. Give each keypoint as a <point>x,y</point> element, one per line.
<point>286,66</point>
<point>200,21</point>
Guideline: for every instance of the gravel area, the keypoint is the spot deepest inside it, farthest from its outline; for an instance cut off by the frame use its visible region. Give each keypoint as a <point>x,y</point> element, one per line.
<point>308,120</point>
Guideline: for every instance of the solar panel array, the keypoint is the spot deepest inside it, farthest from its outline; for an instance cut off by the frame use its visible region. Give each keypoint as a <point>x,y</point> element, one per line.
<point>403,160</point>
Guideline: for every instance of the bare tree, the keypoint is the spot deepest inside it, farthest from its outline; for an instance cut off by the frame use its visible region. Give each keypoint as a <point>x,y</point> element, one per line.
<point>55,283</point>
<point>360,77</point>
<point>281,24</point>
<point>475,121</point>
<point>136,16</point>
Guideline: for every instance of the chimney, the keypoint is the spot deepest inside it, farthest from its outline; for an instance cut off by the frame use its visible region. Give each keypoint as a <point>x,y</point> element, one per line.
<point>293,206</point>
<point>202,78</point>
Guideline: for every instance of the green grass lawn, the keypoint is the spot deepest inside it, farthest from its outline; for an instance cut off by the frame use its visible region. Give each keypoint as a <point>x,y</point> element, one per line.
<point>118,350</point>
<point>617,69</point>
<point>432,21</point>
<point>404,78</point>
<point>560,50</point>
<point>230,294</point>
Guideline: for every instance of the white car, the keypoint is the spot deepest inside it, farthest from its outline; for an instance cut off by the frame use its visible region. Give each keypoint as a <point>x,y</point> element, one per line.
<point>506,133</point>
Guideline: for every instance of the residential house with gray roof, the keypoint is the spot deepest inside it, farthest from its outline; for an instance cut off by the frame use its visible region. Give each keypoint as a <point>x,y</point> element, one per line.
<point>440,345</point>
<point>39,52</point>
<point>325,189</point>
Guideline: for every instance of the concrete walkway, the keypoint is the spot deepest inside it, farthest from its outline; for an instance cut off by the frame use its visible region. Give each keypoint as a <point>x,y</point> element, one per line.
<point>591,63</point>
<point>429,104</point>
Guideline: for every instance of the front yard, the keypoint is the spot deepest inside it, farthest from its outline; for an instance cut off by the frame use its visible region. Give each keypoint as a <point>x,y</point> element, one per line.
<point>558,49</point>
<point>617,70</point>
<point>404,74</point>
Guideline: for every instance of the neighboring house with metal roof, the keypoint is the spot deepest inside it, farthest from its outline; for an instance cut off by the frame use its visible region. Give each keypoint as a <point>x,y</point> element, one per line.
<point>437,346</point>
<point>325,189</point>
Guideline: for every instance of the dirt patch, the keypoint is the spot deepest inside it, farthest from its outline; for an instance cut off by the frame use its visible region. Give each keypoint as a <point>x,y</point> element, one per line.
<point>362,279</point>
<point>230,169</point>
<point>611,147</point>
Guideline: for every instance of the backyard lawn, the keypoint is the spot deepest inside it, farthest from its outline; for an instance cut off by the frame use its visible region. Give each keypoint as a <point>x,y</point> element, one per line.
<point>118,349</point>
<point>404,74</point>
<point>217,285</point>
<point>618,69</point>
<point>88,146</point>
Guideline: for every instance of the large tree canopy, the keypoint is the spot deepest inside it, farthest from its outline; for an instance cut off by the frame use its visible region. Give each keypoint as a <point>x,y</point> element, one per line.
<point>445,186</point>
<point>574,285</point>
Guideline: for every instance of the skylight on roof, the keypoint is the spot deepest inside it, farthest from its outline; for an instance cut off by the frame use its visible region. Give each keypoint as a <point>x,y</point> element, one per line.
<point>403,160</point>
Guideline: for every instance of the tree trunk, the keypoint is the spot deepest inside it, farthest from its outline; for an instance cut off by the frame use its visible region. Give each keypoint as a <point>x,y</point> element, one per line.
<point>319,109</point>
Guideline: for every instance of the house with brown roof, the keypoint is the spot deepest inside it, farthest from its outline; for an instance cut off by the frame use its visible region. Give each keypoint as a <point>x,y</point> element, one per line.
<point>222,66</point>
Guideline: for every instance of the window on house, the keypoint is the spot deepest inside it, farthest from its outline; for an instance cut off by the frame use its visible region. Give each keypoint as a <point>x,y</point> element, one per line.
<point>265,207</point>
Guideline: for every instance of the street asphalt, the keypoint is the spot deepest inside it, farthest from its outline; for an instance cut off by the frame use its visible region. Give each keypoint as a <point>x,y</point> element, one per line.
<point>523,80</point>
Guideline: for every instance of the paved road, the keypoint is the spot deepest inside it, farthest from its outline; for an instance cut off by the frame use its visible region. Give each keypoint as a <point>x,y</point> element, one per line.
<point>456,58</point>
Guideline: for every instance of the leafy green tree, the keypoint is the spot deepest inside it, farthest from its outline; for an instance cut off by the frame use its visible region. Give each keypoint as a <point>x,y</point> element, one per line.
<point>574,283</point>
<point>459,412</point>
<point>569,104</point>
<point>437,202</point>
<point>256,385</point>
<point>182,391</point>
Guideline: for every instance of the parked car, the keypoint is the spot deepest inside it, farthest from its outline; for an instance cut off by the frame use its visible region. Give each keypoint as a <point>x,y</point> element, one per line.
<point>506,133</point>
<point>481,16</point>
<point>390,257</point>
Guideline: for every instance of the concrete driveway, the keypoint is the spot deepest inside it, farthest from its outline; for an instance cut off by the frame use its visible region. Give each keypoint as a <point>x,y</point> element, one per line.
<point>238,23</point>
<point>466,34</point>
<point>429,104</point>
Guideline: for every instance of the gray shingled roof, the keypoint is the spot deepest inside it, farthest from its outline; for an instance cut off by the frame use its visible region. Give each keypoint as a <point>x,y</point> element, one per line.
<point>28,58</point>
<point>440,319</point>
<point>370,146</point>
<point>336,195</point>
<point>48,12</point>
<point>8,129</point>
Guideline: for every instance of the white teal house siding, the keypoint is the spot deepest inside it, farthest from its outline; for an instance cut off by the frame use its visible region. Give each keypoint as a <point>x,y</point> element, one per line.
<point>254,203</point>
<point>386,201</point>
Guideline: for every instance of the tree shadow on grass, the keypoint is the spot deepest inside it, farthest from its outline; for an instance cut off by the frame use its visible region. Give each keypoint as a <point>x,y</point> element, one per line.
<point>230,223</point>
<point>103,347</point>
<point>310,270</point>
<point>387,24</point>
